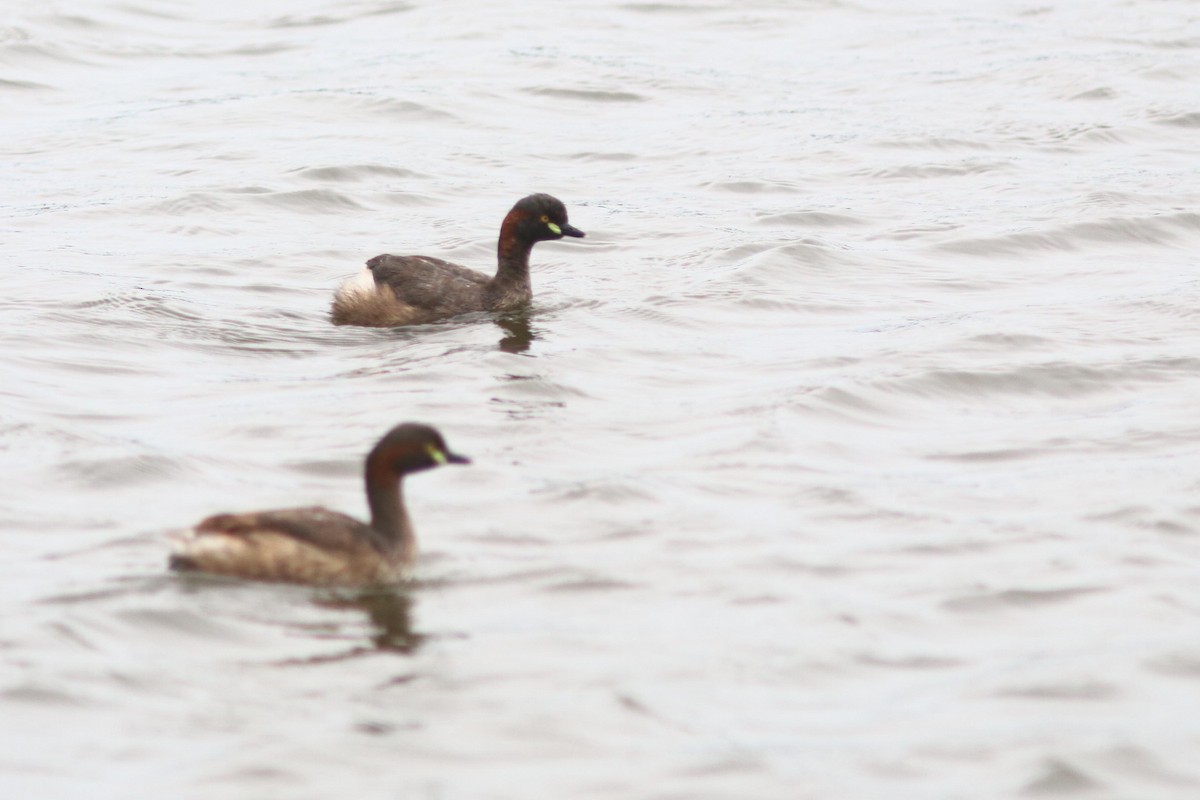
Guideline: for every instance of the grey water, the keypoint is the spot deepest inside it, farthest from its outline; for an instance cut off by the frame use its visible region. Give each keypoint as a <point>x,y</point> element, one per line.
<point>853,454</point>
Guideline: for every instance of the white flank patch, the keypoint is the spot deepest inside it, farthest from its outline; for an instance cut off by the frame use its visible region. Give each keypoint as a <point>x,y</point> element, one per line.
<point>361,284</point>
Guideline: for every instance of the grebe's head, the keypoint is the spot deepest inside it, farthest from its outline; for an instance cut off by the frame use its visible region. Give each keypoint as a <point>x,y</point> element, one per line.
<point>411,447</point>
<point>539,218</point>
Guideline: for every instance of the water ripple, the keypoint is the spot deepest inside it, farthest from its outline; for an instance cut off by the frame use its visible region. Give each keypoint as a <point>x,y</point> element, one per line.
<point>1144,231</point>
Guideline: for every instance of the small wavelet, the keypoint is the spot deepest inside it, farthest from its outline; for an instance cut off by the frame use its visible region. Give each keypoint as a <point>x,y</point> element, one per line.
<point>40,695</point>
<point>670,8</point>
<point>259,49</point>
<point>590,584</point>
<point>194,204</point>
<point>590,95</point>
<point>11,33</point>
<point>757,187</point>
<point>927,171</point>
<point>1058,379</point>
<point>779,259</point>
<point>1013,342</point>
<point>935,143</point>
<point>1190,119</point>
<point>813,219</point>
<point>261,332</point>
<point>602,156</point>
<point>989,456</point>
<point>1019,598</point>
<point>1185,43</point>
<point>733,766</point>
<point>915,662</point>
<point>1158,229</point>
<point>346,106</point>
<point>1177,665</point>
<point>658,310</point>
<point>1060,778</point>
<point>351,13</point>
<point>1081,690</point>
<point>178,622</point>
<point>22,85</point>
<point>1072,138</point>
<point>37,55</point>
<point>120,471</point>
<point>327,468</point>
<point>1099,93</point>
<point>614,491</point>
<point>351,173</point>
<point>311,201</point>
<point>406,110</point>
<point>308,21</point>
<point>393,197</point>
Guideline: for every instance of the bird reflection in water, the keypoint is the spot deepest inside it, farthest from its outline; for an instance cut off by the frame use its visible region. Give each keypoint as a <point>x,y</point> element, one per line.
<point>520,332</point>
<point>390,615</point>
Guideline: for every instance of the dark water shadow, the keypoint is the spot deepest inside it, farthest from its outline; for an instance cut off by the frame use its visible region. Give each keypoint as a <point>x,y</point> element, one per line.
<point>520,332</point>
<point>390,614</point>
<point>389,611</point>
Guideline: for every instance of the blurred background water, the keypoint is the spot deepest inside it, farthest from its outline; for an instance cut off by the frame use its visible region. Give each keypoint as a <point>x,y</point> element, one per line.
<point>852,455</point>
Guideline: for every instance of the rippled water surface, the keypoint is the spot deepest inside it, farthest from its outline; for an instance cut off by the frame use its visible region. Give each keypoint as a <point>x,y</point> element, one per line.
<point>853,454</point>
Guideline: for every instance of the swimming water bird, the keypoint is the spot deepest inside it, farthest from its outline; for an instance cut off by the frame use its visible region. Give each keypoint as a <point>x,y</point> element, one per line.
<point>318,546</point>
<point>410,290</point>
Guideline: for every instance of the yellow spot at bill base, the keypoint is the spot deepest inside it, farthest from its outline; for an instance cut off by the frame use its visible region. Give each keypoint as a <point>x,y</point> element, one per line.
<point>437,455</point>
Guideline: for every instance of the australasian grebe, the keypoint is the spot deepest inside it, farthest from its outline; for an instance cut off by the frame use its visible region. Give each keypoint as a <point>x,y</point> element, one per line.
<point>318,546</point>
<point>410,290</point>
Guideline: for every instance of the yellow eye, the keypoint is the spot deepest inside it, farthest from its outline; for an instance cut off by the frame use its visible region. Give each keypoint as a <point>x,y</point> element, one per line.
<point>545,218</point>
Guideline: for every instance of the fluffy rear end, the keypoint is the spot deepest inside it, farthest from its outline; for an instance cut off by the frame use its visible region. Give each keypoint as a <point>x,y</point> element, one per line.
<point>360,301</point>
